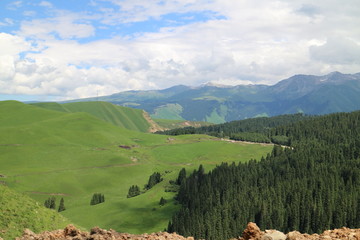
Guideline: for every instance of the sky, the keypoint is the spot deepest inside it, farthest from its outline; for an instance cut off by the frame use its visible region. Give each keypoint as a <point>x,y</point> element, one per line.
<point>59,50</point>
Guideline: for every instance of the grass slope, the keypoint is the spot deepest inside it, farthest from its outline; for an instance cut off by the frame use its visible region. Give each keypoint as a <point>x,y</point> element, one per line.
<point>74,155</point>
<point>125,117</point>
<point>18,211</point>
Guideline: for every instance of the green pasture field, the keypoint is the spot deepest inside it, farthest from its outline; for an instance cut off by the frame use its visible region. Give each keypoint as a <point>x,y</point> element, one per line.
<point>18,211</point>
<point>74,155</point>
<point>125,117</point>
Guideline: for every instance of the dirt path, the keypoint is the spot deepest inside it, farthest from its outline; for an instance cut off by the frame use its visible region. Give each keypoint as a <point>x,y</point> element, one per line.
<point>246,142</point>
<point>76,169</point>
<point>154,127</point>
<point>45,193</point>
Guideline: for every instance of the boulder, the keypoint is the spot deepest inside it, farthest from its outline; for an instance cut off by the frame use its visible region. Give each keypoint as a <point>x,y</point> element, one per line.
<point>273,235</point>
<point>252,232</point>
<point>295,235</point>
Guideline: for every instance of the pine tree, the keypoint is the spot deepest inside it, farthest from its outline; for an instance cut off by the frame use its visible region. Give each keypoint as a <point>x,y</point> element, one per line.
<point>47,203</point>
<point>52,203</point>
<point>62,205</point>
<point>181,177</point>
<point>154,179</point>
<point>162,201</point>
<point>97,198</point>
<point>134,191</point>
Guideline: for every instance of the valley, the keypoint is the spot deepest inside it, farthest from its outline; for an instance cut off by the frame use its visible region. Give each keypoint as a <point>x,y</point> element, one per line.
<point>75,154</point>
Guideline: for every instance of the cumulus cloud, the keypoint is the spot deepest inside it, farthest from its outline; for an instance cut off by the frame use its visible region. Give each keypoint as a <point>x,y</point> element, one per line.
<point>64,27</point>
<point>255,42</point>
<point>142,10</point>
<point>337,50</point>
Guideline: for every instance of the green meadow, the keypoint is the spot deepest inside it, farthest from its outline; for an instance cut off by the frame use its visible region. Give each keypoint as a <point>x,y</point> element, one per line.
<point>129,118</point>
<point>18,211</point>
<point>74,154</point>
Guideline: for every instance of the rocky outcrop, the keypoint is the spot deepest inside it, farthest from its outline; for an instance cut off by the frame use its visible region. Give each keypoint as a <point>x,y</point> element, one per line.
<point>72,233</point>
<point>253,232</point>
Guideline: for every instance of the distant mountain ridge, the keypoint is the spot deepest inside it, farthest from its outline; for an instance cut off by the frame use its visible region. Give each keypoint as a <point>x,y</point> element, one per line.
<point>334,92</point>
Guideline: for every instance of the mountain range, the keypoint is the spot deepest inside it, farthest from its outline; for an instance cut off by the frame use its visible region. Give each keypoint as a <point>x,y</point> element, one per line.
<point>309,94</point>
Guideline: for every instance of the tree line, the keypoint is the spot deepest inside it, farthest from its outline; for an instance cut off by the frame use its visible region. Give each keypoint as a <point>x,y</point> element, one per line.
<point>310,186</point>
<point>253,129</point>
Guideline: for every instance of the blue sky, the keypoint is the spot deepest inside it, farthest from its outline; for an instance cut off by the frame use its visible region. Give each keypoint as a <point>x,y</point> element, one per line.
<point>54,50</point>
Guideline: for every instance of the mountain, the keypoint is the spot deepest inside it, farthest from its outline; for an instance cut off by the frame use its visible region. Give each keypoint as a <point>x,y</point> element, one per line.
<point>309,94</point>
<point>73,155</point>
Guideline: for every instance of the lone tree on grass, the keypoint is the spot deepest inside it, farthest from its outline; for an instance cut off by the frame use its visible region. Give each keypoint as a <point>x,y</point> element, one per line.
<point>162,201</point>
<point>61,206</point>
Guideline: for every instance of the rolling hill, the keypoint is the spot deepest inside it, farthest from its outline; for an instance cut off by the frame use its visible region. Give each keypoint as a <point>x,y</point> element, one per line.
<point>308,94</point>
<point>18,211</point>
<point>73,155</point>
<point>129,118</point>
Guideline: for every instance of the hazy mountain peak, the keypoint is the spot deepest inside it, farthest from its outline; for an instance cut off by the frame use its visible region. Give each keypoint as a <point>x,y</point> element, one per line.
<point>214,102</point>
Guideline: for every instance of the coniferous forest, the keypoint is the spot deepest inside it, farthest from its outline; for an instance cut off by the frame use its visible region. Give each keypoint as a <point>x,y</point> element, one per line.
<point>253,129</point>
<point>311,185</point>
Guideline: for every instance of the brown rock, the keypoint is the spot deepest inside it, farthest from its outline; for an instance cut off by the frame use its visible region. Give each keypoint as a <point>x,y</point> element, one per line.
<point>29,233</point>
<point>295,235</point>
<point>273,235</point>
<point>252,232</point>
<point>71,231</point>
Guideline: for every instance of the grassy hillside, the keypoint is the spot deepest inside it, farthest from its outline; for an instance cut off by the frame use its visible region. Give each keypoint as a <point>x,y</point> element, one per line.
<point>125,117</point>
<point>18,211</point>
<point>73,155</point>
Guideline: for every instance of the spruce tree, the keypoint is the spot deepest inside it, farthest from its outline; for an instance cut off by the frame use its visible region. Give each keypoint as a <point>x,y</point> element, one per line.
<point>162,201</point>
<point>52,203</point>
<point>97,198</point>
<point>181,177</point>
<point>61,205</point>
<point>134,191</point>
<point>154,179</point>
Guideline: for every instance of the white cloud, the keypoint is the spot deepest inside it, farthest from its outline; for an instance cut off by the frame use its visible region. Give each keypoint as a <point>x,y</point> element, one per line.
<point>7,22</point>
<point>142,10</point>
<point>14,5</point>
<point>65,27</point>
<point>259,41</point>
<point>337,50</point>
<point>12,45</point>
<point>46,4</point>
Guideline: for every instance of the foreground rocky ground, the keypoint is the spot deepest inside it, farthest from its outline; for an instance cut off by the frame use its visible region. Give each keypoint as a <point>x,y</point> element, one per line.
<point>72,233</point>
<point>252,232</point>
